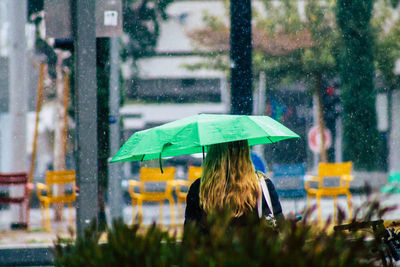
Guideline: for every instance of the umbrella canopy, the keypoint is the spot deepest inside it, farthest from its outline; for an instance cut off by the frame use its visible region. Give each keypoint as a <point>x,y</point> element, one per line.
<point>190,135</point>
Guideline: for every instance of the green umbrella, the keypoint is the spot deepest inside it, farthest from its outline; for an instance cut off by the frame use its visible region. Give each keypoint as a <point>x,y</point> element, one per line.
<point>190,135</point>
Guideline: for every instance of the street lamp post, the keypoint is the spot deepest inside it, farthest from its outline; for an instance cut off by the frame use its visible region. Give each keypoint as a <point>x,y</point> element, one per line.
<point>241,60</point>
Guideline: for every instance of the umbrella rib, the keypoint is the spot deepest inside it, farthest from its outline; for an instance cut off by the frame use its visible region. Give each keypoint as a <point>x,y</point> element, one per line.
<point>264,131</point>
<point>270,140</point>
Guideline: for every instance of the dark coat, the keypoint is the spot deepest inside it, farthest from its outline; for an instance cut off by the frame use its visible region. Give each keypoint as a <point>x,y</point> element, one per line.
<point>195,213</point>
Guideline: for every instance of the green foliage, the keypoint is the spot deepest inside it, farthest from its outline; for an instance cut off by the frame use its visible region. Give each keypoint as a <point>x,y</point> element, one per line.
<point>386,30</point>
<point>141,22</point>
<point>282,49</point>
<point>360,136</point>
<point>34,6</point>
<point>256,244</point>
<point>125,247</point>
<point>286,45</point>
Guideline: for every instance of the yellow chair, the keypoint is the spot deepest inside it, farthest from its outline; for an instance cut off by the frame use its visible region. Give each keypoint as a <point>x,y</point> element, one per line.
<point>46,194</point>
<point>153,175</point>
<point>339,171</point>
<point>194,172</point>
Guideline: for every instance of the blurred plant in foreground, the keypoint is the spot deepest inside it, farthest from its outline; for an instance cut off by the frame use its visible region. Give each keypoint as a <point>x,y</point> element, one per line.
<point>256,244</point>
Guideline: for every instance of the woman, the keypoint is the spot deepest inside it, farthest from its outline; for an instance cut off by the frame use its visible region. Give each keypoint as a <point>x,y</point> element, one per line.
<point>229,181</point>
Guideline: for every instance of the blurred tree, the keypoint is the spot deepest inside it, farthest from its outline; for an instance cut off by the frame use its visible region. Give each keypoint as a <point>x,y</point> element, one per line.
<point>386,30</point>
<point>360,136</point>
<point>141,24</point>
<point>34,6</point>
<point>286,46</point>
<point>290,45</point>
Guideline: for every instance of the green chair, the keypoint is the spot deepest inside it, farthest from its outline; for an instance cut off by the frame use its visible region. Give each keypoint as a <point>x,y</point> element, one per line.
<point>393,185</point>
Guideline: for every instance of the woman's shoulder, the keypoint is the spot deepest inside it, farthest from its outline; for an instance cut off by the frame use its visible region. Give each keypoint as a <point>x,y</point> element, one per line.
<point>193,193</point>
<point>196,182</point>
<point>195,185</point>
<point>262,175</point>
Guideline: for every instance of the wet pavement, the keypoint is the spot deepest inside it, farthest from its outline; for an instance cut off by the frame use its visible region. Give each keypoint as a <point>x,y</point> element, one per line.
<point>151,214</point>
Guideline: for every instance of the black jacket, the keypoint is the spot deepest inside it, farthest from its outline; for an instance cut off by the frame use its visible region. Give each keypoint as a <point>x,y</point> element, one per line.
<point>195,213</point>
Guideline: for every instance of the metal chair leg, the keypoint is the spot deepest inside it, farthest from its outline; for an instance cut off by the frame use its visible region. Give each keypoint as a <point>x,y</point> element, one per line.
<point>350,205</point>
<point>42,214</point>
<point>319,208</point>
<point>172,210</point>
<point>133,212</point>
<point>140,210</point>
<point>178,203</point>
<point>334,208</point>
<point>71,221</point>
<point>47,211</point>
<point>161,205</point>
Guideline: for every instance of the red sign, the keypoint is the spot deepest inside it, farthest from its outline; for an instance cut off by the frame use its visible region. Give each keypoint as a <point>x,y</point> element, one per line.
<point>314,139</point>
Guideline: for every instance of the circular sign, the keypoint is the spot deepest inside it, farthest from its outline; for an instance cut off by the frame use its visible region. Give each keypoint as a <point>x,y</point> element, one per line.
<point>314,139</point>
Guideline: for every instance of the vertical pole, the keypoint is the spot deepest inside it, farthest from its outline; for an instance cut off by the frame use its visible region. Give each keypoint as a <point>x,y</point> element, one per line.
<point>321,122</point>
<point>59,130</point>
<point>261,94</point>
<point>315,121</point>
<point>18,90</point>
<point>259,109</point>
<point>39,98</point>
<point>338,141</point>
<point>225,94</point>
<point>114,169</point>
<point>84,30</point>
<point>241,60</point>
<point>394,146</point>
<point>65,106</point>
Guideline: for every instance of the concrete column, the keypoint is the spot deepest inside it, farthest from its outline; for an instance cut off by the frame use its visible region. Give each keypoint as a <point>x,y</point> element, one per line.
<point>18,91</point>
<point>5,143</point>
<point>18,85</point>
<point>83,14</point>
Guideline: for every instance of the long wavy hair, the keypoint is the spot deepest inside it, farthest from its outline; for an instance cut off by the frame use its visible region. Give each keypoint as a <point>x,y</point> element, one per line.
<point>229,179</point>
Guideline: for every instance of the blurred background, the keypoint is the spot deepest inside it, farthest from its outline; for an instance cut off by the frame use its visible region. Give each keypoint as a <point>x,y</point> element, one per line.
<point>317,66</point>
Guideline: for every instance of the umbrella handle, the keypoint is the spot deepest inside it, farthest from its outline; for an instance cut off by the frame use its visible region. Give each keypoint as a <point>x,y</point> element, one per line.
<point>160,162</point>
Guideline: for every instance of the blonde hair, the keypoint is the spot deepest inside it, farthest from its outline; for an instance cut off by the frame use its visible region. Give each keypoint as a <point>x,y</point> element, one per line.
<point>229,179</point>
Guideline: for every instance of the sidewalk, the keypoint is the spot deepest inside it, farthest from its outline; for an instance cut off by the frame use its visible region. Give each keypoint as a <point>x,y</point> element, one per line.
<point>36,236</point>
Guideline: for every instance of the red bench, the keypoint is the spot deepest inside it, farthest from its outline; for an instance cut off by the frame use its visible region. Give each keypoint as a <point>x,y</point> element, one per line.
<point>18,179</point>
